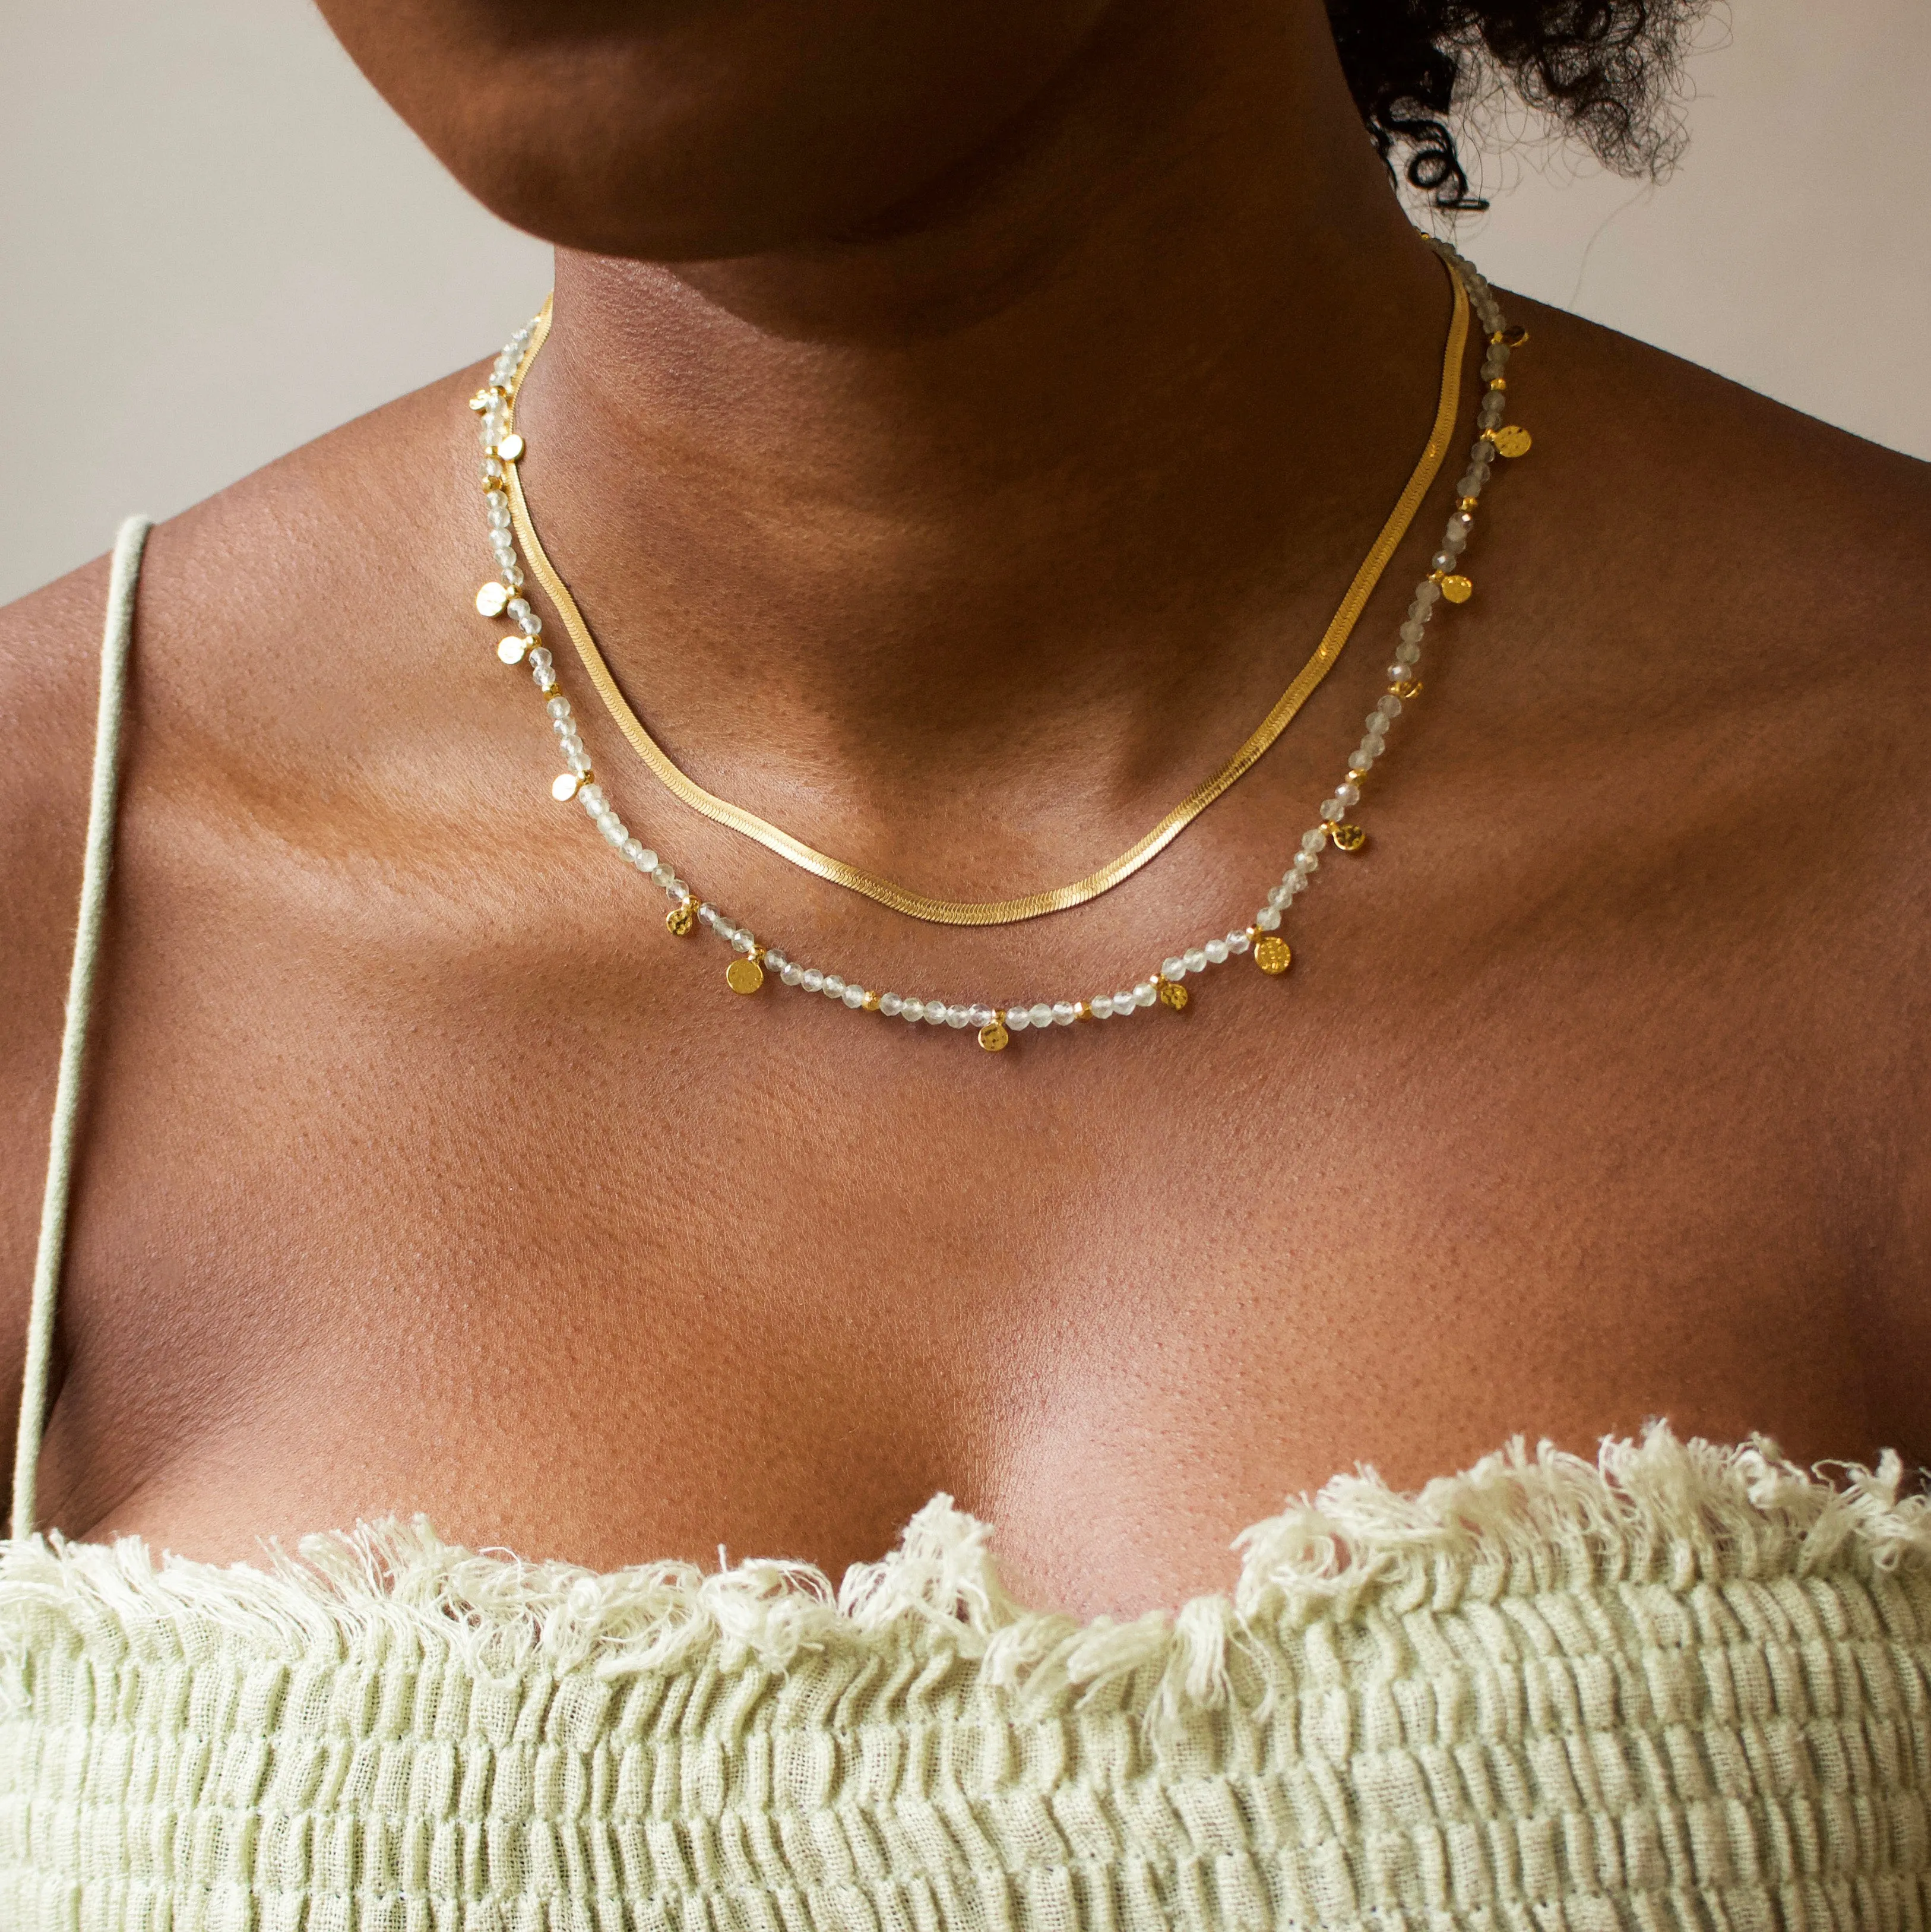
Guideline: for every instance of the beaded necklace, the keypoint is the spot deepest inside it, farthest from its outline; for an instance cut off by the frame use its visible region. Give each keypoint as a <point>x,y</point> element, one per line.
<point>994,1025</point>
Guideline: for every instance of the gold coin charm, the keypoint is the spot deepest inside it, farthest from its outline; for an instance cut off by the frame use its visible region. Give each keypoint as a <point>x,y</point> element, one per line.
<point>744,976</point>
<point>491,598</point>
<point>1173,995</point>
<point>993,1036</point>
<point>1512,440</point>
<point>680,918</point>
<point>1272,954</point>
<point>511,648</point>
<point>1458,588</point>
<point>1349,838</point>
<point>510,448</point>
<point>563,787</point>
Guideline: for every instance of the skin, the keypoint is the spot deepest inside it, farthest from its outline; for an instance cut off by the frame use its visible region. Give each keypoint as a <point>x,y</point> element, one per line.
<point>956,486</point>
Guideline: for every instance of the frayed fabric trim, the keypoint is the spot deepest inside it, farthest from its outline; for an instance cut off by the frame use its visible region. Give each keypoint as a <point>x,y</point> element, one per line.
<point>1654,1511</point>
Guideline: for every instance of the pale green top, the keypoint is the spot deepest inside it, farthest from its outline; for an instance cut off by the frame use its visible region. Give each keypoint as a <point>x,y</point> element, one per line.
<point>1684,1687</point>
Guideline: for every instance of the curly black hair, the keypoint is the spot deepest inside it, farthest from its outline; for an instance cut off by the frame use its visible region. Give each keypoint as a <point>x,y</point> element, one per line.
<point>1604,70</point>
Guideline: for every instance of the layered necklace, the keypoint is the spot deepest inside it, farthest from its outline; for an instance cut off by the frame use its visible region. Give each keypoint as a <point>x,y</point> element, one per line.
<point>514,540</point>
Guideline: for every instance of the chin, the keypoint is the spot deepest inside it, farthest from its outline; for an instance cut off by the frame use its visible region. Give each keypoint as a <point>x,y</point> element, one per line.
<point>670,132</point>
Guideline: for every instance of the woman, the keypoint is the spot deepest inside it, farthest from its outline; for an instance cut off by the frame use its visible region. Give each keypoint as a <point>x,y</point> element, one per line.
<point>956,427</point>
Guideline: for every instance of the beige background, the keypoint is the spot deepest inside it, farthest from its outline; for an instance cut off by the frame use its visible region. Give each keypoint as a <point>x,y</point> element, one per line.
<point>215,243</point>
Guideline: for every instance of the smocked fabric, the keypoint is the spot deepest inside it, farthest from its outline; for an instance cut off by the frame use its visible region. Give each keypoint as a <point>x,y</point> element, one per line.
<point>1682,1688</point>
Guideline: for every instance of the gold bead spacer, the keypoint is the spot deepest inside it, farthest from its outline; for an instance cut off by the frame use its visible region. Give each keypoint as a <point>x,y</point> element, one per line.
<point>1498,383</point>
<point>870,1003</point>
<point>1466,505</point>
<point>1348,837</point>
<point>1173,996</point>
<point>681,918</point>
<point>1272,955</point>
<point>993,1036</point>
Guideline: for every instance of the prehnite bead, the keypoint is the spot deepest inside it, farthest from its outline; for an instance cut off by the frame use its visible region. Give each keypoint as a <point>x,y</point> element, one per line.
<point>1100,1006</point>
<point>812,980</point>
<point>853,996</point>
<point>1019,1018</point>
<point>1064,1012</point>
<point>1267,918</point>
<point>958,1017</point>
<point>1042,1015</point>
<point>791,974</point>
<point>1215,950</point>
<point>935,1012</point>
<point>832,984</point>
<point>890,1005</point>
<point>1146,993</point>
<point>1238,942</point>
<point>912,1009</point>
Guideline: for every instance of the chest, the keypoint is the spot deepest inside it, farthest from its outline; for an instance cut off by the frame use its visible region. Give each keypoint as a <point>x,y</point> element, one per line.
<point>403,1197</point>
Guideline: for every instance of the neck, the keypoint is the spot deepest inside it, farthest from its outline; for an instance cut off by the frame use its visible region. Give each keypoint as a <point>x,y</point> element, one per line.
<point>1076,453</point>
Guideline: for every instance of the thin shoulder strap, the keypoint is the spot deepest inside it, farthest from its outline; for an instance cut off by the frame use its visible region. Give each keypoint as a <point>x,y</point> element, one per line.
<point>114,640</point>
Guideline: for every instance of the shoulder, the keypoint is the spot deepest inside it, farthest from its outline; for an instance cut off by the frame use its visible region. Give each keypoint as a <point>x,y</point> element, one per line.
<point>1716,501</point>
<point>261,614</point>
<point>1716,689</point>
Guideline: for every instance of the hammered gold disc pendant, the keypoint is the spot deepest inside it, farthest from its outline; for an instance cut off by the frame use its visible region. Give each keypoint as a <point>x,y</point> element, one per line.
<point>1512,440</point>
<point>744,976</point>
<point>994,1037</point>
<point>1349,838</point>
<point>1457,589</point>
<point>1273,954</point>
<point>680,918</point>
<point>492,599</point>
<point>1172,995</point>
